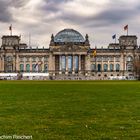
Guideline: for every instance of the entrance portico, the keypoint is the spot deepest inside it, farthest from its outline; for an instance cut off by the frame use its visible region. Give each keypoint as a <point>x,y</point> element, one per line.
<point>69,64</point>
<point>69,49</point>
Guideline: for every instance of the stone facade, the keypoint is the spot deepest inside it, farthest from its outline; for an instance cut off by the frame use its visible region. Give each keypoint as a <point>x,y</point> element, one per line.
<point>70,56</point>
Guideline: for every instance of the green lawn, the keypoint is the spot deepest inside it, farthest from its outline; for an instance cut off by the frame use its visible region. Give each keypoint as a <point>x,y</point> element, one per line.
<point>71,110</point>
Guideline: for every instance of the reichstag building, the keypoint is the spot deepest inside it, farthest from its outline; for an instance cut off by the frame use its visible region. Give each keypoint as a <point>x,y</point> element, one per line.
<point>70,56</point>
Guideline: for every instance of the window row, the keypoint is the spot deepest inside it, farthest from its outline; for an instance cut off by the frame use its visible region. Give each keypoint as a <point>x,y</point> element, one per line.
<point>33,68</point>
<point>105,68</point>
<point>106,58</point>
<point>34,59</point>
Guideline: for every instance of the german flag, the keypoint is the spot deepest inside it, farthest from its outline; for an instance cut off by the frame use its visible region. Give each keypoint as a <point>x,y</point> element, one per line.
<point>10,27</point>
<point>126,27</point>
<point>94,52</point>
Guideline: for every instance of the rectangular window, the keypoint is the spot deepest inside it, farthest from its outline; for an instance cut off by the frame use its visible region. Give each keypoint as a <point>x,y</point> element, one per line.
<point>99,59</point>
<point>46,58</point>
<point>111,58</point>
<point>33,59</point>
<point>105,58</point>
<point>21,59</point>
<point>117,58</point>
<point>27,59</point>
<point>40,59</point>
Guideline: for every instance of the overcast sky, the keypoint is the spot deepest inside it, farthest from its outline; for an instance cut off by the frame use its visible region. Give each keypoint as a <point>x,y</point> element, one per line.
<point>98,18</point>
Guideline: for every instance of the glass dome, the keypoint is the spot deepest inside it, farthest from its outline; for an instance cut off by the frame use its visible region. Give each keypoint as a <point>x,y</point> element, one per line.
<point>68,35</point>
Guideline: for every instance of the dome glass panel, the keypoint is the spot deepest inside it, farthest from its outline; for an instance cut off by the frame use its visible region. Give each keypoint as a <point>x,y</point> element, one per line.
<point>68,35</point>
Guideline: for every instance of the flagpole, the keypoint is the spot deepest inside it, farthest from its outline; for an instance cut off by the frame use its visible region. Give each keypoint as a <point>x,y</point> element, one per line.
<point>29,40</point>
<point>20,37</point>
<point>10,30</point>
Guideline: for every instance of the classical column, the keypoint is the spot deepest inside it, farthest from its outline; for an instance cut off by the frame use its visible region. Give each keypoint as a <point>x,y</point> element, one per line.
<point>108,63</point>
<point>51,67</point>
<point>73,64</point>
<point>66,64</point>
<point>114,65</point>
<point>60,64</point>
<point>122,63</point>
<point>79,63</point>
<point>14,63</point>
<point>30,61</point>
<point>87,64</point>
<point>102,64</point>
<point>3,58</point>
<point>24,65</point>
<point>125,64</point>
<point>17,63</point>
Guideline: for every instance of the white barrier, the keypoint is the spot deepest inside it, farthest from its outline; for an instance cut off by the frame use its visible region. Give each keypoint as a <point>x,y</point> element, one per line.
<point>35,74</point>
<point>121,78</point>
<point>24,76</point>
<point>8,74</point>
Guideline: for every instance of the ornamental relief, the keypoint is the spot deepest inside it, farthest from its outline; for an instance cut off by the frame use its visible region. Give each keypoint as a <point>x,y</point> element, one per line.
<point>69,48</point>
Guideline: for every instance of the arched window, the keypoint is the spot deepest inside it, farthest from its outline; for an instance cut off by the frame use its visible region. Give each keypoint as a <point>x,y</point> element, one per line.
<point>105,58</point>
<point>117,58</point>
<point>33,58</point>
<point>111,67</point>
<point>111,58</point>
<point>105,67</point>
<point>99,58</point>
<point>33,67</point>
<point>45,68</point>
<point>27,67</point>
<point>46,58</point>
<point>39,67</point>
<point>99,67</point>
<point>129,58</point>
<point>93,67</point>
<point>27,59</point>
<point>21,59</point>
<point>117,67</point>
<point>129,66</point>
<point>9,58</point>
<point>21,67</point>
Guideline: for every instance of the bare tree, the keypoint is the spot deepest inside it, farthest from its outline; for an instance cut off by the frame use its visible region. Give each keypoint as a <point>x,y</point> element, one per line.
<point>137,69</point>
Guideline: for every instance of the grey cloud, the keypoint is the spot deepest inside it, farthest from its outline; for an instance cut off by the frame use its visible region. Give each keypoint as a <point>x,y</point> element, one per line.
<point>56,1</point>
<point>18,3</point>
<point>115,15</point>
<point>49,8</point>
<point>51,13</point>
<point>109,16</point>
<point>53,5</point>
<point>5,15</point>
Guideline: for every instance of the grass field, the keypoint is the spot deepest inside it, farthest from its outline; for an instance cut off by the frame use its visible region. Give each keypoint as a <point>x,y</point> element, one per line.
<point>71,110</point>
